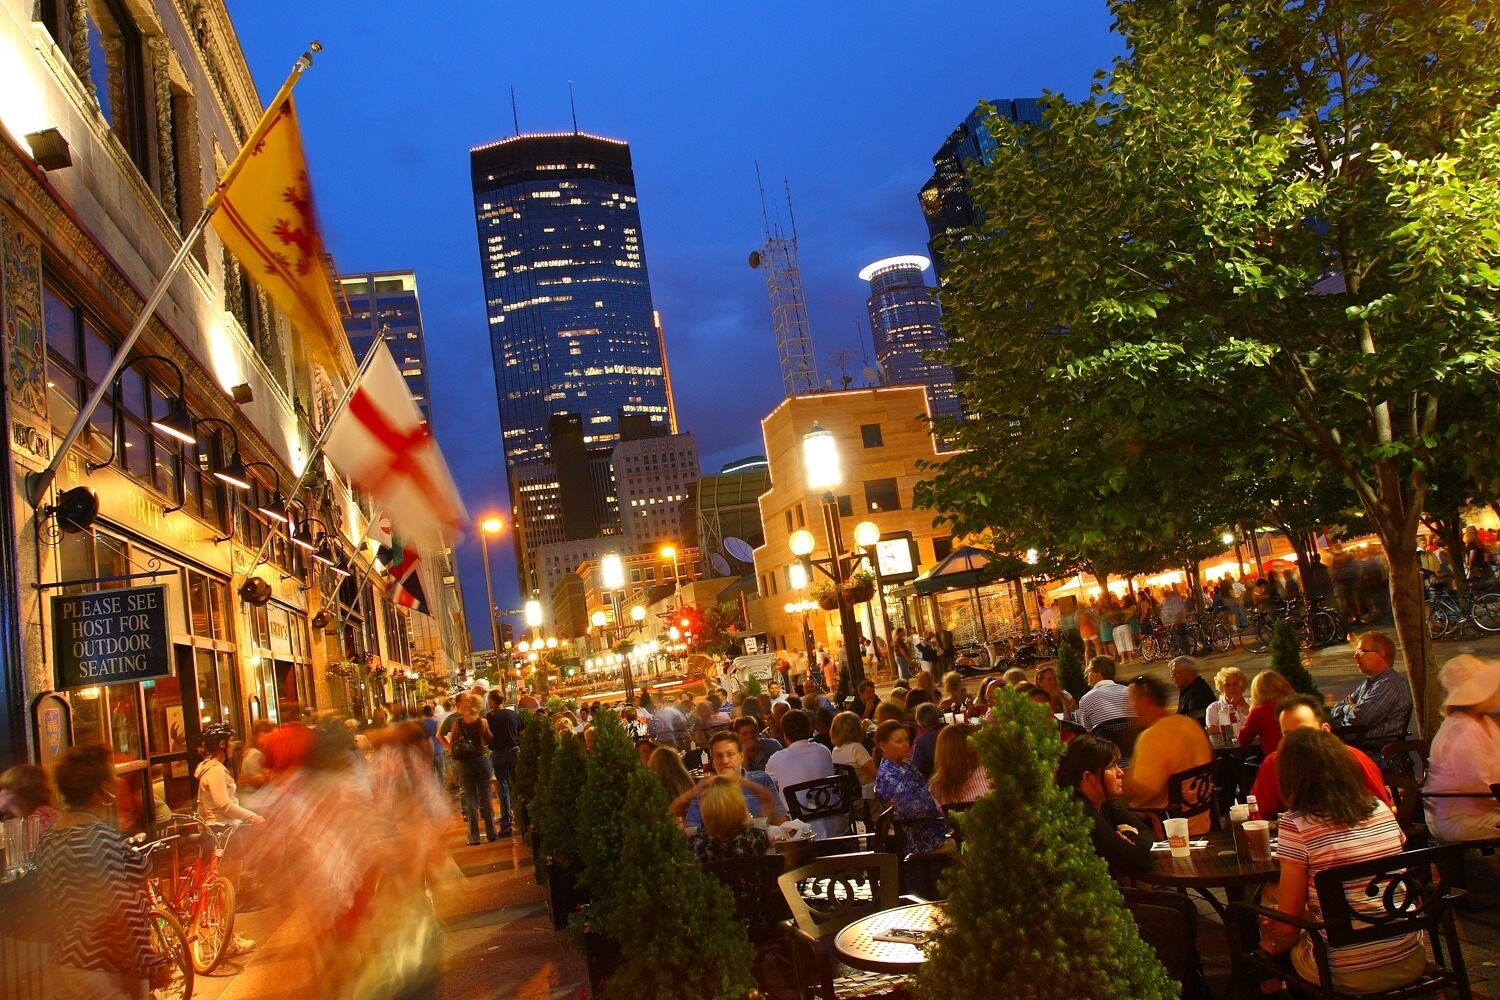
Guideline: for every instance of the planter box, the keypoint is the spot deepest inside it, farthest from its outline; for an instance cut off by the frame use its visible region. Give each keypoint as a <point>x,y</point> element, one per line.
<point>829,602</point>
<point>564,894</point>
<point>603,956</point>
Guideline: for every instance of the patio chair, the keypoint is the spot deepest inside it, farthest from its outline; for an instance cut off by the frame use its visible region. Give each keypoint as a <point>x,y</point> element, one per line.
<point>1121,732</point>
<point>950,813</point>
<point>758,903</point>
<point>1168,922</point>
<point>824,898</point>
<point>1190,793</point>
<point>1366,902</point>
<point>822,798</point>
<point>1406,756</point>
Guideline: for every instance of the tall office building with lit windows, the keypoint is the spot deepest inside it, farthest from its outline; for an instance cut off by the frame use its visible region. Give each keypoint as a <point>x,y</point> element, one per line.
<point>908,326</point>
<point>574,338</point>
<point>387,301</point>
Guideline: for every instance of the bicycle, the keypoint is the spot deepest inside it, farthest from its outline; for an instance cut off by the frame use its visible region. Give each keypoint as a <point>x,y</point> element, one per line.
<point>167,936</point>
<point>1448,612</point>
<point>200,895</point>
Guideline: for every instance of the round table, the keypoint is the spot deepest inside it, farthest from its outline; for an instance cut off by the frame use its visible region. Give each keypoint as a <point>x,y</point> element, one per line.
<point>1210,868</point>
<point>857,948</point>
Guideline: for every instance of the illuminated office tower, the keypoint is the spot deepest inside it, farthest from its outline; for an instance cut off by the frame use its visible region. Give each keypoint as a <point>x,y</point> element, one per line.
<point>571,326</point>
<point>908,326</point>
<point>387,300</point>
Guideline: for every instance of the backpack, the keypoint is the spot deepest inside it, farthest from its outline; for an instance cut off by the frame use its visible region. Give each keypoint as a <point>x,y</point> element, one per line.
<point>467,740</point>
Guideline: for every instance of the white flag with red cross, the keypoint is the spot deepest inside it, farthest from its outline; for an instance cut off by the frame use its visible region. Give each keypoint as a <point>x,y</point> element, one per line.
<point>381,444</point>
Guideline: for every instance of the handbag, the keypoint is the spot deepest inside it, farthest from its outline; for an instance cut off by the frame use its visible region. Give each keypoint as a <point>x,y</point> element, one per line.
<point>465,747</point>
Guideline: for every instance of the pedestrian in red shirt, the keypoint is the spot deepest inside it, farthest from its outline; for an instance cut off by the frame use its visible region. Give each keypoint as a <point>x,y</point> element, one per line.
<point>1303,711</point>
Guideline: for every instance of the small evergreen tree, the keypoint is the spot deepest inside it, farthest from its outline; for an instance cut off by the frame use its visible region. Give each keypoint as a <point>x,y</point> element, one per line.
<point>1070,669</point>
<point>602,821</point>
<point>674,922</point>
<point>1054,927</point>
<point>1286,659</point>
<point>752,687</point>
<point>526,760</point>
<point>557,806</point>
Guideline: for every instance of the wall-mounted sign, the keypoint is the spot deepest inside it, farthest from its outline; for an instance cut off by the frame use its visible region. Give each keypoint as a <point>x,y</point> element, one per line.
<point>110,637</point>
<point>280,625</point>
<point>897,559</point>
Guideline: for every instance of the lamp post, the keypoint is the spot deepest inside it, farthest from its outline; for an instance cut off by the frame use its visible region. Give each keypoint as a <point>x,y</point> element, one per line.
<point>492,526</point>
<point>612,576</point>
<point>820,459</point>
<point>670,552</point>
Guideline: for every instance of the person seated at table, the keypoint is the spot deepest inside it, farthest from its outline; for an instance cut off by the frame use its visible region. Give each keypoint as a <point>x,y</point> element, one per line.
<point>1382,701</point>
<point>848,734</point>
<point>762,797</point>
<point>822,722</point>
<point>955,698</point>
<point>754,748</point>
<point>26,790</point>
<point>867,699</point>
<point>1465,754</point>
<point>666,764</point>
<point>1063,703</point>
<point>802,760</point>
<point>1231,708</point>
<point>1105,700</point>
<point>1167,744</point>
<point>1091,768</point>
<point>1333,820</point>
<point>957,774</point>
<point>1014,676</point>
<point>916,699</point>
<point>929,722</point>
<point>1261,727</point>
<point>902,785</point>
<point>1193,693</point>
<point>1303,711</point>
<point>773,727</point>
<point>889,711</point>
<point>727,830</point>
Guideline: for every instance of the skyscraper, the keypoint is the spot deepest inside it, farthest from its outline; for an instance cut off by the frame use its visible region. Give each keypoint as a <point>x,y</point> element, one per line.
<point>946,203</point>
<point>907,324</point>
<point>387,300</point>
<point>572,330</point>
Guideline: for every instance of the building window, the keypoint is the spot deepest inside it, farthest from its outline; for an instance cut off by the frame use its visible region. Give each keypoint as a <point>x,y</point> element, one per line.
<point>942,548</point>
<point>118,77</point>
<point>881,494</point>
<point>54,15</point>
<point>846,506</point>
<point>801,517</point>
<point>870,434</point>
<point>789,519</point>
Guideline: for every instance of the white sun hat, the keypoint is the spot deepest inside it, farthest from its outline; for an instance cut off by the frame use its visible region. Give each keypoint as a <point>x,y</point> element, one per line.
<point>1469,679</point>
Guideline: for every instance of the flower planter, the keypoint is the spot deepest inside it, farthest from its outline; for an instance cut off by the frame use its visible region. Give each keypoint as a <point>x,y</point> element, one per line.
<point>603,956</point>
<point>564,894</point>
<point>829,602</point>
<point>859,593</point>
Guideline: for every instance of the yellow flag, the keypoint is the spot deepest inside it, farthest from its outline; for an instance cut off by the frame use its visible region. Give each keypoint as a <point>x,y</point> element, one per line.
<point>264,214</point>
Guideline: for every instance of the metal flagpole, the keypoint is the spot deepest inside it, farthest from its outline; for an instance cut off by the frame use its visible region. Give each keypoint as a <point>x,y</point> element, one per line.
<point>38,483</point>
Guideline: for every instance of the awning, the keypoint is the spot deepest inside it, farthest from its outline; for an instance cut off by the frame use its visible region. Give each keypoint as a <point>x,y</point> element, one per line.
<point>968,568</point>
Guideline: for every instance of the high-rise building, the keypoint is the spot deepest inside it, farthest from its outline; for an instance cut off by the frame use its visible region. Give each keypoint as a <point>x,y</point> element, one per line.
<point>654,480</point>
<point>907,326</point>
<point>946,204</point>
<point>572,329</point>
<point>387,301</point>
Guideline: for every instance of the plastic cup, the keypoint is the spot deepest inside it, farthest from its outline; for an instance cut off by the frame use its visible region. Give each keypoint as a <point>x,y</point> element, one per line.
<point>1258,839</point>
<point>1177,837</point>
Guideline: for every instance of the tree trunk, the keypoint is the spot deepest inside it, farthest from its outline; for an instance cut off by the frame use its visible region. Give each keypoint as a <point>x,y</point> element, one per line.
<point>1304,552</point>
<point>1411,629</point>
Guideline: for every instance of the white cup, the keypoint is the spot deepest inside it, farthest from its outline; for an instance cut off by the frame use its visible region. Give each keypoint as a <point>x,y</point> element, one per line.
<point>760,823</point>
<point>690,830</point>
<point>1177,837</point>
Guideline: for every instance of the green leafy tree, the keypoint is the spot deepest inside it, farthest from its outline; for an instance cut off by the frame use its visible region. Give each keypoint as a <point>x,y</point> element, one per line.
<point>1017,928</point>
<point>1286,659</point>
<point>1280,216</point>
<point>527,760</point>
<point>1070,669</point>
<point>674,922</point>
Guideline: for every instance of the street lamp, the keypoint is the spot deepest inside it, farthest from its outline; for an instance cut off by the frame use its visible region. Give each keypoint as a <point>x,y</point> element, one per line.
<point>670,552</point>
<point>820,459</point>
<point>491,526</point>
<point>867,536</point>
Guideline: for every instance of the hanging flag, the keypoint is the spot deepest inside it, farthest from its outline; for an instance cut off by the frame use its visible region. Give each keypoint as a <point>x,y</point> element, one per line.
<point>380,442</point>
<point>264,214</point>
<point>399,562</point>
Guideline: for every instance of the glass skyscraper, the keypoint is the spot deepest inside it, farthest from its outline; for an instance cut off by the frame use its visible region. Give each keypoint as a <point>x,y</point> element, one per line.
<point>387,300</point>
<point>571,326</point>
<point>907,326</point>
<point>946,204</point>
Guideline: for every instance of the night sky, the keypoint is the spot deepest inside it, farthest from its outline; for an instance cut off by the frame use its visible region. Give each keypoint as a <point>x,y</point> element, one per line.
<point>848,102</point>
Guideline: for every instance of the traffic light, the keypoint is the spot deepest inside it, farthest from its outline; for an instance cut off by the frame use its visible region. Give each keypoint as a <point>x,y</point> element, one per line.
<point>507,634</point>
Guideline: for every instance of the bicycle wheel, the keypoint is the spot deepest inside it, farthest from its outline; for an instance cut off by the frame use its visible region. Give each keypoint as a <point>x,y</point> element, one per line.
<point>1148,649</point>
<point>1264,629</point>
<point>1222,638</point>
<point>1327,628</point>
<point>1487,612</point>
<point>167,939</point>
<point>1439,621</point>
<point>213,924</point>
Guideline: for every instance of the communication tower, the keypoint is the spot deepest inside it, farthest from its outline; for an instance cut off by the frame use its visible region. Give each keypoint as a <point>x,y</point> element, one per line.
<point>777,259</point>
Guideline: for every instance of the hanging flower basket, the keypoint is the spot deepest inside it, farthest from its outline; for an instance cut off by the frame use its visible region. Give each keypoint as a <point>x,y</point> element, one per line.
<point>860,587</point>
<point>826,596</point>
<point>341,668</point>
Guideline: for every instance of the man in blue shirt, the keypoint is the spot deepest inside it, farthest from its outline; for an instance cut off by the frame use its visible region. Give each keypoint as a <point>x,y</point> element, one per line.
<point>762,797</point>
<point>1382,702</point>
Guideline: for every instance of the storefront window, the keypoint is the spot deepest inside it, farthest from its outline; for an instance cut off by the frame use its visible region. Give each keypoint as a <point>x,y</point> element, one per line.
<point>165,726</point>
<point>208,687</point>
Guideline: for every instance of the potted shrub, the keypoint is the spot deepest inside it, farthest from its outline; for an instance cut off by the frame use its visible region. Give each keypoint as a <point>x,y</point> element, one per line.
<point>1055,927</point>
<point>557,815</point>
<point>827,596</point>
<point>860,586</point>
<point>1286,659</point>
<point>1070,670</point>
<point>600,834</point>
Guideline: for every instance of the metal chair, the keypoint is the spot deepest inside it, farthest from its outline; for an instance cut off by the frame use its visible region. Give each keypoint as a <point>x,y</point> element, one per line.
<point>1190,793</point>
<point>950,813</point>
<point>1366,902</point>
<point>1399,755</point>
<point>826,896</point>
<point>1121,732</point>
<point>822,798</point>
<point>758,903</point>
<point>1168,922</point>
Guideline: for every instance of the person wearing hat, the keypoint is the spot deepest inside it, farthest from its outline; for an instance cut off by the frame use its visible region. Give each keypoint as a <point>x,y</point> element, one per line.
<point>1465,758</point>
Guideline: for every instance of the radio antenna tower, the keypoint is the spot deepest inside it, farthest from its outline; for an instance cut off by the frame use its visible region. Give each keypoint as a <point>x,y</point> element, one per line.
<point>777,258</point>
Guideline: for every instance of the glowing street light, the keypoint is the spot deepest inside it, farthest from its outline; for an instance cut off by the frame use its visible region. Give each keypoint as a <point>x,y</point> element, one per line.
<point>612,572</point>
<point>820,459</point>
<point>796,575</point>
<point>598,618</point>
<point>866,534</point>
<point>534,613</point>
<point>802,543</point>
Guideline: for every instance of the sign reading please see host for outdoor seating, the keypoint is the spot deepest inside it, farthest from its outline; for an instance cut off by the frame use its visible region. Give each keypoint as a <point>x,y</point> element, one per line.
<point>110,637</point>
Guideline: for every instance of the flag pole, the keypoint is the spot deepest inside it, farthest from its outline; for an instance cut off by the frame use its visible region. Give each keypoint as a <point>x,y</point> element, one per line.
<point>38,483</point>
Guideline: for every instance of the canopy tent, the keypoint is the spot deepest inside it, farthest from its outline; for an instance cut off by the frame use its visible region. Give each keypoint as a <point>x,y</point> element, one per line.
<point>970,568</point>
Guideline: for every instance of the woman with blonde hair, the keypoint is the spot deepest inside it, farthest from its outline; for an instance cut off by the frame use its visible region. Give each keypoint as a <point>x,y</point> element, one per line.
<point>1063,703</point>
<point>1261,725</point>
<point>955,698</point>
<point>667,765</point>
<point>1231,709</point>
<point>957,774</point>
<point>727,831</point>
<point>847,734</point>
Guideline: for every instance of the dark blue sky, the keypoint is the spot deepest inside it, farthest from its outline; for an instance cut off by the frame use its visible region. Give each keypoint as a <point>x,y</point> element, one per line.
<point>848,102</point>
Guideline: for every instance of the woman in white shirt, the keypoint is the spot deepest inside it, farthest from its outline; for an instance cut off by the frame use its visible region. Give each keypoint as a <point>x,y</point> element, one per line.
<point>846,733</point>
<point>1465,758</point>
<point>1231,708</point>
<point>217,802</point>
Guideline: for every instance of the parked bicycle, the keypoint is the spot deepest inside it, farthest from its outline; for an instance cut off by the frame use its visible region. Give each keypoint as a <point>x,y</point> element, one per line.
<point>167,936</point>
<point>1201,638</point>
<point>198,893</point>
<point>1449,612</point>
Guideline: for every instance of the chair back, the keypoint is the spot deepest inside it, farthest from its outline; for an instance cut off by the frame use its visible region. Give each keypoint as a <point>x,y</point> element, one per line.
<point>821,798</point>
<point>1353,734</point>
<point>1406,796</point>
<point>1121,732</point>
<point>1387,897</point>
<point>1191,793</point>
<point>753,882</point>
<point>1405,756</point>
<point>695,759</point>
<point>1168,922</point>
<point>828,894</point>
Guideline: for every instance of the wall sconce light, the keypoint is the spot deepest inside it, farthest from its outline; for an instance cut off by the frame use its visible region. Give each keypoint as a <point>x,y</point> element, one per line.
<point>49,149</point>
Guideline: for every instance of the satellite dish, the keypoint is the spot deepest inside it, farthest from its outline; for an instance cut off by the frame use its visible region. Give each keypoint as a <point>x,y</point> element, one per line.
<point>76,509</point>
<point>871,377</point>
<point>755,258</point>
<point>740,549</point>
<point>720,564</point>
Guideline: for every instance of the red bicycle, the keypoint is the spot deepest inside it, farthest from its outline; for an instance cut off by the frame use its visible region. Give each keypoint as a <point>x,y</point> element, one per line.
<point>197,892</point>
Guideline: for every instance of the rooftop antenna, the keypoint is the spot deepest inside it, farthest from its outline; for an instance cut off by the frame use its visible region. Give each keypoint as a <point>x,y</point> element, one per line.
<point>765,219</point>
<point>777,257</point>
<point>859,331</point>
<point>840,360</point>
<point>514,115</point>
<point>573,107</point>
<point>786,183</point>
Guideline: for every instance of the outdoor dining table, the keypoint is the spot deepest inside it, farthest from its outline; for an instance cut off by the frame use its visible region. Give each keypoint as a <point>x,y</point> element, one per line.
<point>857,948</point>
<point>1215,866</point>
